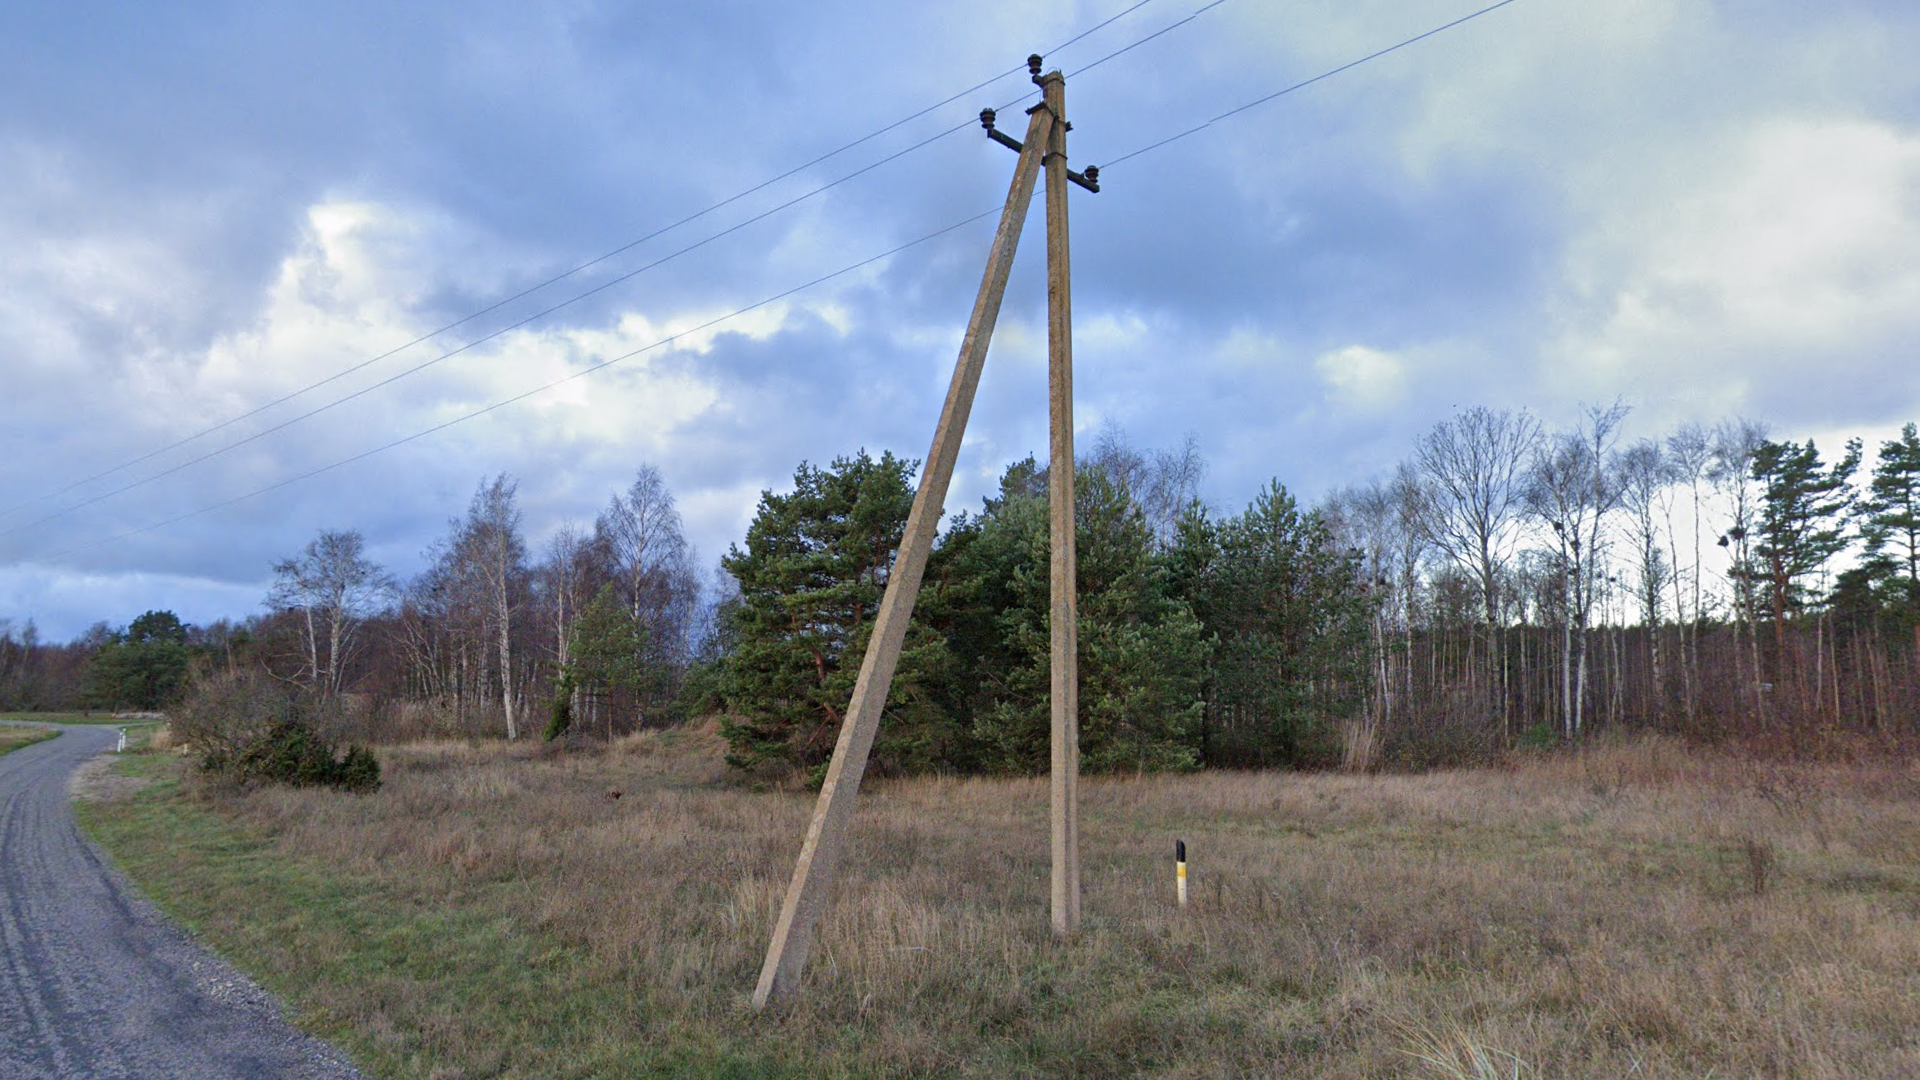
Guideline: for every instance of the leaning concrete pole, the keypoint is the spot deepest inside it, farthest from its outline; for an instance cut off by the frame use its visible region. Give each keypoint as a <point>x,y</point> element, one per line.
<point>827,833</point>
<point>1064,623</point>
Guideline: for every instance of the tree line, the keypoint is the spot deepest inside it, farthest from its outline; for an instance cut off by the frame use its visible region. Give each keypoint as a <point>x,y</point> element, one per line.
<point>1531,582</point>
<point>1235,640</point>
<point>1505,584</point>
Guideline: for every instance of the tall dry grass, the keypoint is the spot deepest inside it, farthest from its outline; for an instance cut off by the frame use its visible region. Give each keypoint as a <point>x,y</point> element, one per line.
<point>1583,915</point>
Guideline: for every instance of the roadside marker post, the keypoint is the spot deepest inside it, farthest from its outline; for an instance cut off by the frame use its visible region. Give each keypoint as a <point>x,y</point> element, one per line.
<point>1180,870</point>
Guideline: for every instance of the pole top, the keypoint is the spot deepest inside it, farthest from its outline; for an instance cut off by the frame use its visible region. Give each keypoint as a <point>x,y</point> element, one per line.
<point>1033,65</point>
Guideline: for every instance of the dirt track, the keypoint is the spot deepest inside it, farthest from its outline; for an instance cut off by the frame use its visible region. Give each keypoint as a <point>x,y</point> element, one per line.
<point>94,981</point>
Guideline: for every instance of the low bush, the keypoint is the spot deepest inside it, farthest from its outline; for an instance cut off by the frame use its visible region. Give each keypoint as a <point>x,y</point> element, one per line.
<point>251,730</point>
<point>291,752</point>
<point>560,711</point>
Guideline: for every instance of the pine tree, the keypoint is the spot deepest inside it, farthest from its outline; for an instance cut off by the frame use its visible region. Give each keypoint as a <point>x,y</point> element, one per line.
<point>811,577</point>
<point>142,667</point>
<point>606,658</point>
<point>1885,587</point>
<point>1290,622</point>
<point>1890,514</point>
<point>1142,656</point>
<point>1805,512</point>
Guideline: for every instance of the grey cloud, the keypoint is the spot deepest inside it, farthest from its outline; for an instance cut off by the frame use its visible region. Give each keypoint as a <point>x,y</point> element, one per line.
<point>1420,206</point>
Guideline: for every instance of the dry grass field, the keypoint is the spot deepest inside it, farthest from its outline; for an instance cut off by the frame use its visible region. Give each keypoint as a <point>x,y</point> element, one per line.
<point>15,736</point>
<point>1638,910</point>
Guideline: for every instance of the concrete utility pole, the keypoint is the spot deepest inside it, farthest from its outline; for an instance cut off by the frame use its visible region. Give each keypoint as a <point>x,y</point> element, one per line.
<point>826,833</point>
<point>1064,624</point>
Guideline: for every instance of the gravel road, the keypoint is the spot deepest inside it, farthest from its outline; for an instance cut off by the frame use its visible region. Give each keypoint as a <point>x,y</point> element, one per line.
<point>94,981</point>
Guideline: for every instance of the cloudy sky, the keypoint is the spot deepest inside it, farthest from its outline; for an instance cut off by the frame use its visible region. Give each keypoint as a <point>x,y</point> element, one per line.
<point>1704,209</point>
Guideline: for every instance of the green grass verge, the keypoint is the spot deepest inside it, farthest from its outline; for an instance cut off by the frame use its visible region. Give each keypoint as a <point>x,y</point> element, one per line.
<point>457,993</point>
<point>13,738</point>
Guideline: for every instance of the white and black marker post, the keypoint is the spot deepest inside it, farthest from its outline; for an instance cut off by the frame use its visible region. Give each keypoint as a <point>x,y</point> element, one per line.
<point>1180,870</point>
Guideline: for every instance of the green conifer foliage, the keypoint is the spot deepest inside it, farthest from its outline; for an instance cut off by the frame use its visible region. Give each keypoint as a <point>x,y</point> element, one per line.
<point>811,577</point>
<point>1805,512</point>
<point>143,667</point>
<point>1143,655</point>
<point>1890,515</point>
<point>606,652</point>
<point>1289,619</point>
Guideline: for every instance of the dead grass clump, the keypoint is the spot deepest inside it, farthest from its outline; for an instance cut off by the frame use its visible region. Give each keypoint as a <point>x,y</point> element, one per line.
<point>1458,1055</point>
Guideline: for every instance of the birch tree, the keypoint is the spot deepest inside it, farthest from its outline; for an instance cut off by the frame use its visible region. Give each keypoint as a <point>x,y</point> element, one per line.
<point>1569,490</point>
<point>1643,474</point>
<point>1161,483</point>
<point>564,578</point>
<point>1735,444</point>
<point>490,550</point>
<point>1472,472</point>
<point>333,588</point>
<point>1689,456</point>
<point>640,534</point>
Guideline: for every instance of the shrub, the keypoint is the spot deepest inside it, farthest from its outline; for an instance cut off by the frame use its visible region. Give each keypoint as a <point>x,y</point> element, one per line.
<point>560,716</point>
<point>291,752</point>
<point>251,730</point>
<point>358,771</point>
<point>1541,736</point>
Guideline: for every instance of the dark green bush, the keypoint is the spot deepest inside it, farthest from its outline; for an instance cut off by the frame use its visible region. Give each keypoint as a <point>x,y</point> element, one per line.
<point>293,753</point>
<point>560,712</point>
<point>559,719</point>
<point>250,729</point>
<point>358,771</point>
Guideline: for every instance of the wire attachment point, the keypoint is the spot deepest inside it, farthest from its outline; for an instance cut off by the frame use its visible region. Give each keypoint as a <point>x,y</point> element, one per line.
<point>1001,137</point>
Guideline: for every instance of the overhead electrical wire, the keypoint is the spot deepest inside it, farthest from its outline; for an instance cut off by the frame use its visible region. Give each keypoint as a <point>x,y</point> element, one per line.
<point>602,287</point>
<point>449,354</point>
<point>565,274</point>
<point>504,402</point>
<point>1129,48</point>
<point>662,342</point>
<point>1304,83</point>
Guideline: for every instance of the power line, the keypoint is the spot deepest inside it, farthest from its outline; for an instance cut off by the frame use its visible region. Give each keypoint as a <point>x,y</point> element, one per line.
<point>449,354</point>
<point>503,403</point>
<point>602,365</point>
<point>740,311</point>
<point>563,275</point>
<point>1306,83</point>
<point>1144,40</point>
<point>363,391</point>
<point>485,410</point>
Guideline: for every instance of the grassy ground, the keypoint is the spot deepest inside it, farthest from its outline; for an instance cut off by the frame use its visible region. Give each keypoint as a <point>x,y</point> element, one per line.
<point>1639,911</point>
<point>13,738</point>
<point>73,718</point>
